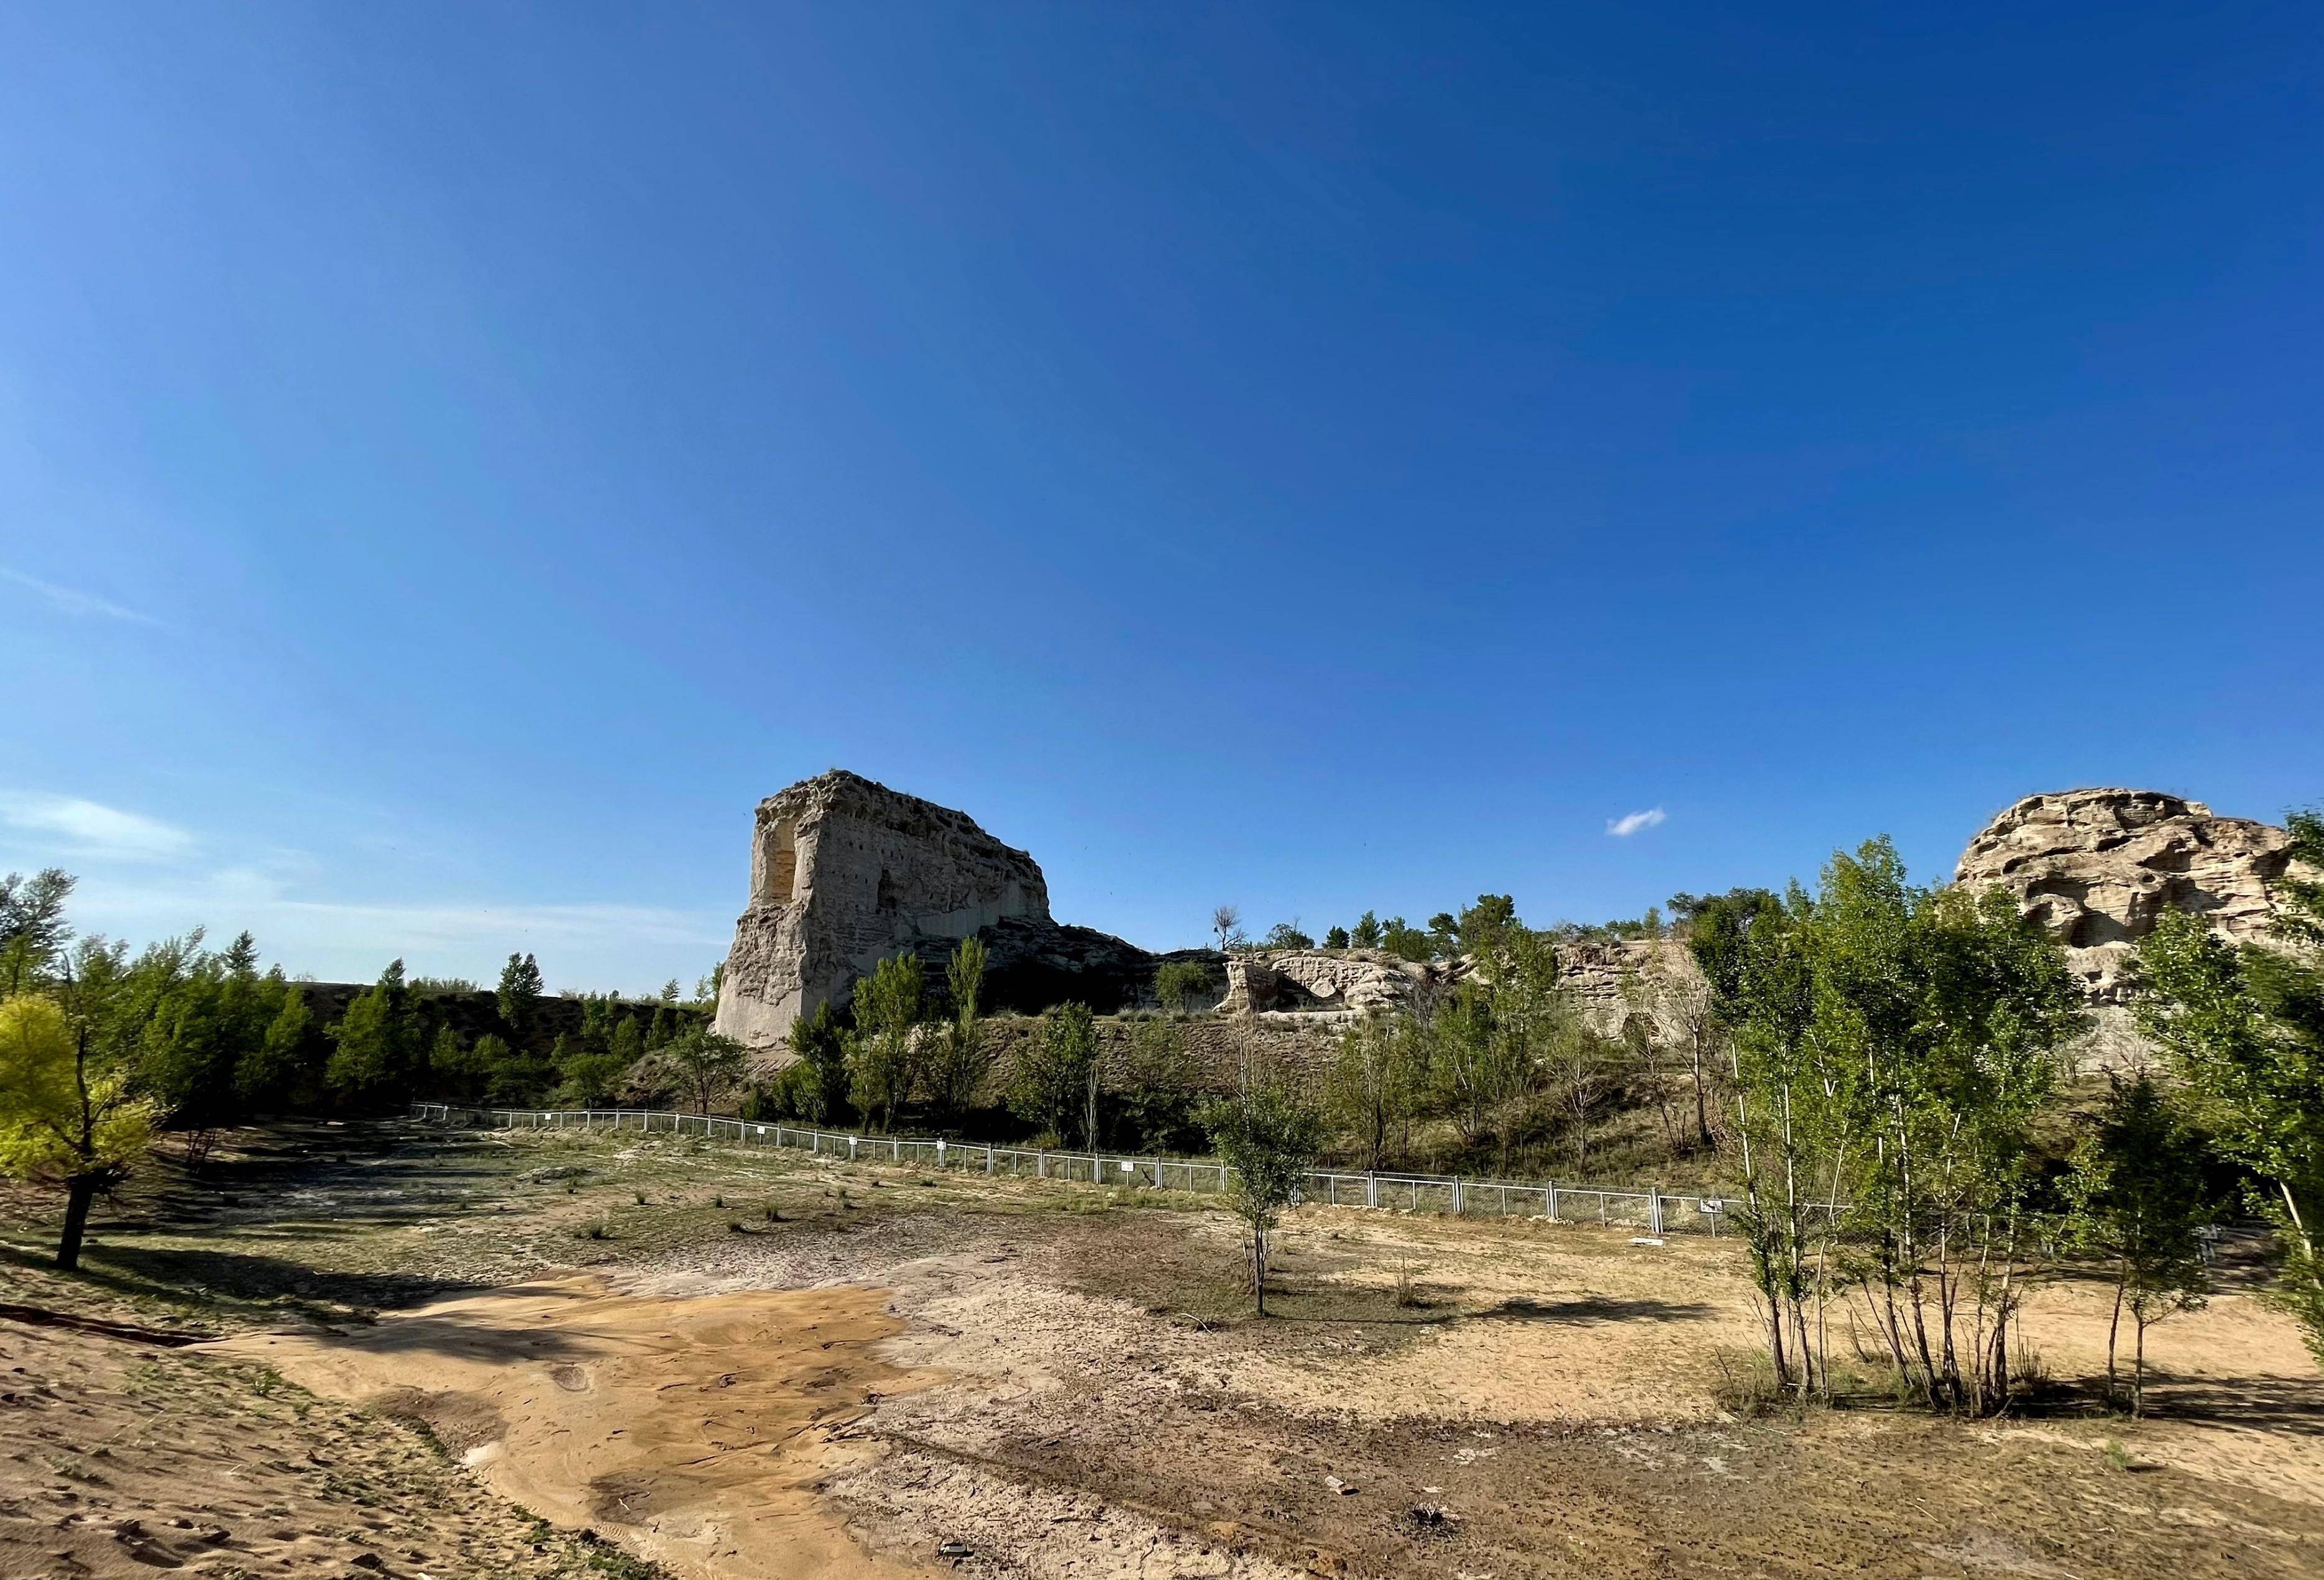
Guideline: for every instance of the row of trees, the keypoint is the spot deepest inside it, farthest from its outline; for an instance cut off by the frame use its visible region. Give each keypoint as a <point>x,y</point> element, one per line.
<point>101,1048</point>
<point>905,1046</point>
<point>1440,939</point>
<point>1892,1053</point>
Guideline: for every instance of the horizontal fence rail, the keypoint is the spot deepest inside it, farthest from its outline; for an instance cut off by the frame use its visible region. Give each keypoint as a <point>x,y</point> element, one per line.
<point>1650,1212</point>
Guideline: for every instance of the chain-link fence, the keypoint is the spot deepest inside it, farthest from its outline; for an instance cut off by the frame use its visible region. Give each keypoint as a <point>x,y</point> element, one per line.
<point>1648,1212</point>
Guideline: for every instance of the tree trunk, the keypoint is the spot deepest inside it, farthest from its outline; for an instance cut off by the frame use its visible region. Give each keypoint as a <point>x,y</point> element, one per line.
<point>1702,1106</point>
<point>80,1191</point>
<point>2114,1329</point>
<point>2138,1365</point>
<point>1259,1267</point>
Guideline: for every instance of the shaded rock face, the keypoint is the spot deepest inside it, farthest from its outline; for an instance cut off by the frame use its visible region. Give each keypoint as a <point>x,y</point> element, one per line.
<point>2096,868</point>
<point>1030,966</point>
<point>844,873</point>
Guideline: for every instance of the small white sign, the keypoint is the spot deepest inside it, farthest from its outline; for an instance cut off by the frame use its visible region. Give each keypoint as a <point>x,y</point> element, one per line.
<point>1128,1168</point>
<point>1711,1203</point>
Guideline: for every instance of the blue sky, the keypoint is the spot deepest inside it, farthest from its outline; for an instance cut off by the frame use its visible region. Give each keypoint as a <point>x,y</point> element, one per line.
<point>454,460</point>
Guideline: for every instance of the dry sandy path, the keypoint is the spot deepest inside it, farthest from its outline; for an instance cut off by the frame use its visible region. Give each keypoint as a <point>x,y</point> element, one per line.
<point>696,1430</point>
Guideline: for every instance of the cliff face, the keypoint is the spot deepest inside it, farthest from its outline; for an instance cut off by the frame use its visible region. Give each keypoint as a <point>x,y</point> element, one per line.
<point>2096,868</point>
<point>844,873</point>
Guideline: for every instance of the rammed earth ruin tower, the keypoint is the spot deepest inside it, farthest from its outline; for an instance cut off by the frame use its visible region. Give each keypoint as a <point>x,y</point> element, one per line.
<point>844,873</point>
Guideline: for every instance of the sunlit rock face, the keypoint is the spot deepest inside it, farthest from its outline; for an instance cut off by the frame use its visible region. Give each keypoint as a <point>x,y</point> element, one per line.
<point>2096,868</point>
<point>844,873</point>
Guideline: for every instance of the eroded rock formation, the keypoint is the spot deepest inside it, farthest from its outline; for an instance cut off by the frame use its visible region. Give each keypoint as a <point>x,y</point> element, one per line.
<point>1350,982</point>
<point>2096,867</point>
<point>844,873</point>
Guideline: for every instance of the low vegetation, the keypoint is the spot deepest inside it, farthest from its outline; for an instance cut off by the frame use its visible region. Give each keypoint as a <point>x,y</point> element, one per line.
<point>1871,1070</point>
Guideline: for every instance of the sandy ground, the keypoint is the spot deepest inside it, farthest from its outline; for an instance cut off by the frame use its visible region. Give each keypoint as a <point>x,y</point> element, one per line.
<point>120,1458</point>
<point>877,1373</point>
<point>696,1430</point>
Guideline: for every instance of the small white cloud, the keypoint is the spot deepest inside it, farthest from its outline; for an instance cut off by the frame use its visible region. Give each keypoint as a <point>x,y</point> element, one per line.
<point>1623,827</point>
<point>85,829</point>
<point>71,601</point>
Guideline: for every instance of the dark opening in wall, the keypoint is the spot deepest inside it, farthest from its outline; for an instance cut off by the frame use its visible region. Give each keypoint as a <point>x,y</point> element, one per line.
<point>781,866</point>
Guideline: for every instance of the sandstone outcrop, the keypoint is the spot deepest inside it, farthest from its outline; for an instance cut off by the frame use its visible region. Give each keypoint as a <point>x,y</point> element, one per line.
<point>1598,973</point>
<point>2096,868</point>
<point>1347,982</point>
<point>844,873</point>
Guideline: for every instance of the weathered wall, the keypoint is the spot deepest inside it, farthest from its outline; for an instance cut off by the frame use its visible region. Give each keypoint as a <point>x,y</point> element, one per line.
<point>844,873</point>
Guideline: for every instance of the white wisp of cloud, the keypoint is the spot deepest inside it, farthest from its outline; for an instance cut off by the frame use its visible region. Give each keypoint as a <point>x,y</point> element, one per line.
<point>90,831</point>
<point>72,601</point>
<point>1624,826</point>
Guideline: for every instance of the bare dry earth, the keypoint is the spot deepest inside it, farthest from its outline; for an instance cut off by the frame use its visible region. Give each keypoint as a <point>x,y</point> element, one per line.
<point>1061,1386</point>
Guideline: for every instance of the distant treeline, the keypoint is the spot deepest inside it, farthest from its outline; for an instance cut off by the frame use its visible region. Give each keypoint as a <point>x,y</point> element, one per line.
<point>210,1038</point>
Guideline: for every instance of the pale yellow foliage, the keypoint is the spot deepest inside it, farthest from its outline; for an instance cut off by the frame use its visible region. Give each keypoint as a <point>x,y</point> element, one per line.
<point>49,1129</point>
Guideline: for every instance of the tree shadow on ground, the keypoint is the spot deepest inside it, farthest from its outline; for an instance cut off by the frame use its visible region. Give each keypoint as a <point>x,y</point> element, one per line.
<point>179,1275</point>
<point>2273,1404</point>
<point>1596,1310</point>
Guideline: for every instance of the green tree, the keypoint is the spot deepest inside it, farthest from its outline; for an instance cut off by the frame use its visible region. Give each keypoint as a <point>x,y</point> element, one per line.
<point>2139,1205</point>
<point>240,958</point>
<point>1056,1071</point>
<point>1286,934</point>
<point>821,1046</point>
<point>1268,1135</point>
<point>1376,1085</point>
<point>1481,930</point>
<point>2244,1029</point>
<point>1180,984</point>
<point>447,1056</point>
<point>962,1058</point>
<point>592,1074</point>
<point>509,1074</point>
<point>1404,942</point>
<point>885,1063</point>
<point>628,1044</point>
<point>65,1118</point>
<point>1466,1061</point>
<point>1891,1046</point>
<point>376,1043</point>
<point>32,928</point>
<point>1159,1087</point>
<point>1336,939</point>
<point>280,1061</point>
<point>519,995</point>
<point>187,1049</point>
<point>707,1062</point>
<point>1366,934</point>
